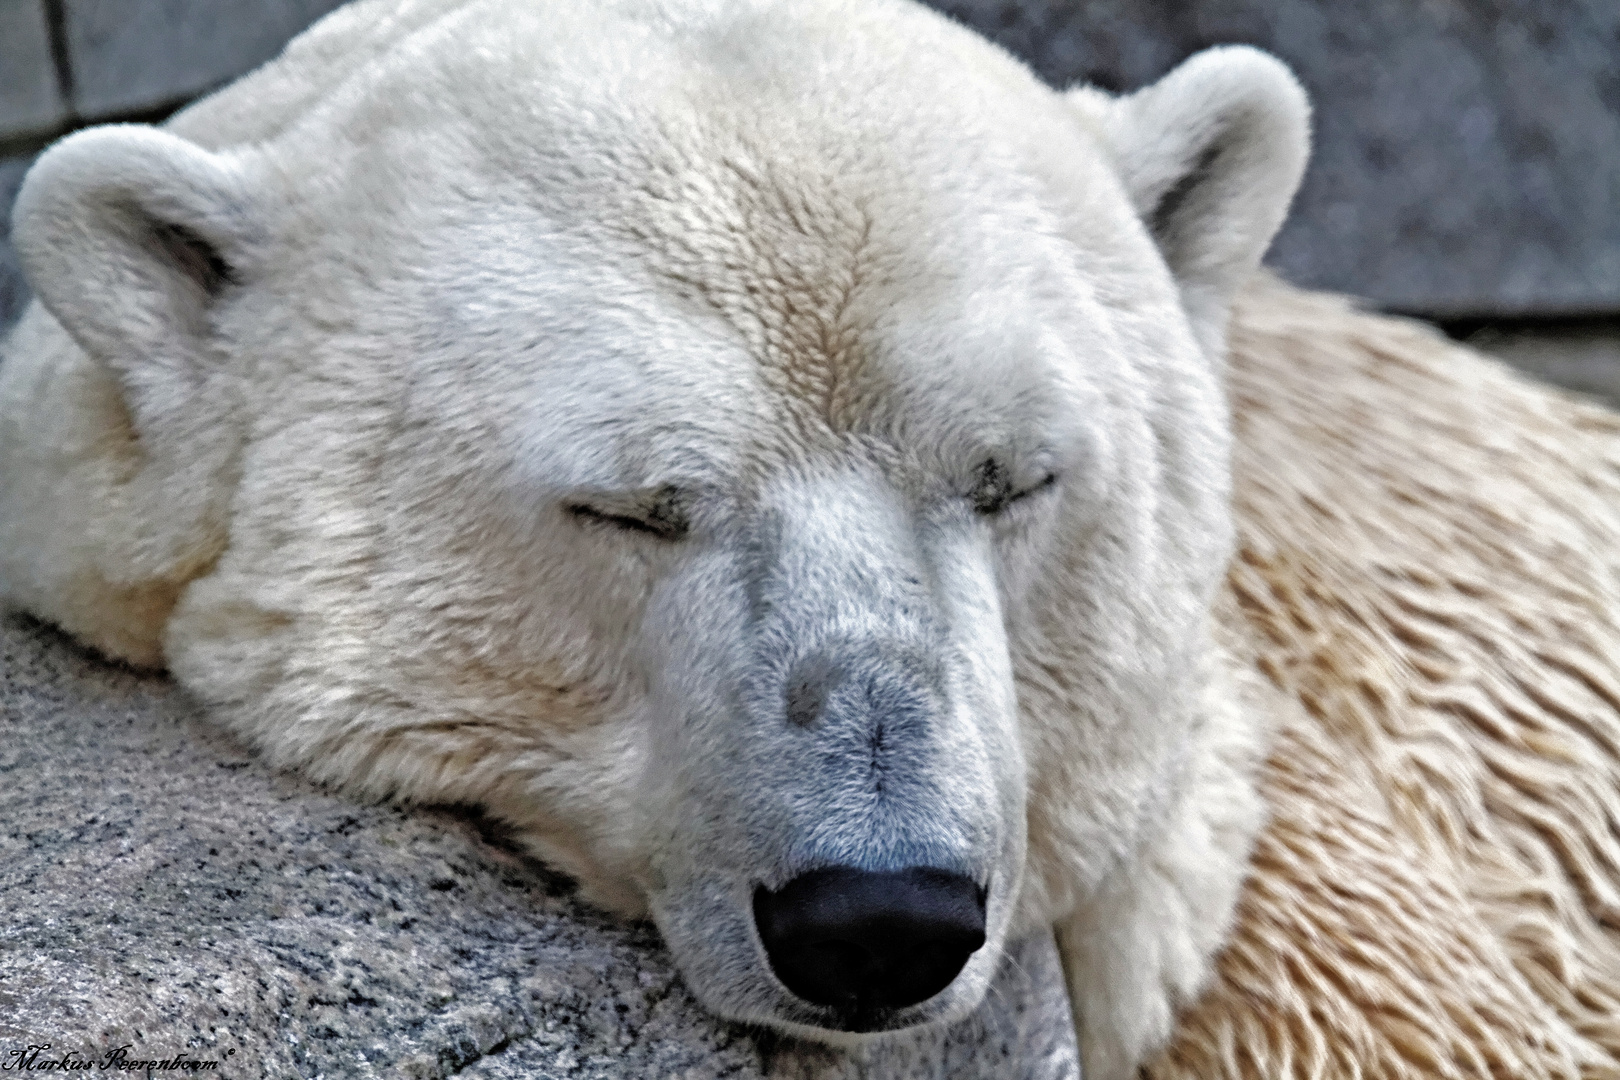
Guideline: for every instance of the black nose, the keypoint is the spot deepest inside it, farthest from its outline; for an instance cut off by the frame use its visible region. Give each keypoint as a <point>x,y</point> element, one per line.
<point>862,941</point>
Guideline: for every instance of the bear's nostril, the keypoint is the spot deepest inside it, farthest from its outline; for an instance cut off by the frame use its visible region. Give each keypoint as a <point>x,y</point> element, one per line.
<point>861,941</point>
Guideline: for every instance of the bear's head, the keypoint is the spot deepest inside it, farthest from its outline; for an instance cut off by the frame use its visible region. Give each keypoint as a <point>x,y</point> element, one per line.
<point>774,460</point>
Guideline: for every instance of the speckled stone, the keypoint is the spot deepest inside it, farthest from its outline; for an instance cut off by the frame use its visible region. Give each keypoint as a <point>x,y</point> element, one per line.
<point>164,890</point>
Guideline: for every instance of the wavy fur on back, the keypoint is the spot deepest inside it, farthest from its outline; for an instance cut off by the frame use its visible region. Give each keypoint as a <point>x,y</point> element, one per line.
<point>1428,566</point>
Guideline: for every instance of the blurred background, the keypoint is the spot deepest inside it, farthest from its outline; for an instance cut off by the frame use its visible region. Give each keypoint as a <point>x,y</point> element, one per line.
<point>1466,170</point>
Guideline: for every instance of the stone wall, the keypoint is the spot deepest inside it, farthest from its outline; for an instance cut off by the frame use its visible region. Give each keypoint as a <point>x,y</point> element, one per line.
<point>64,63</point>
<point>1467,158</point>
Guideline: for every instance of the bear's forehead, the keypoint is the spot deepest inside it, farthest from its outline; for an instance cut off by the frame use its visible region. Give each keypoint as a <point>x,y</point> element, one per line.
<point>820,245</point>
<point>847,251</point>
<point>754,306</point>
<point>830,271</point>
<point>799,257</point>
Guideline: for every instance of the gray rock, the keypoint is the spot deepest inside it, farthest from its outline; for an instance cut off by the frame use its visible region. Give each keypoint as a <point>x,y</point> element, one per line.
<point>13,289</point>
<point>128,57</point>
<point>29,100</point>
<point>1467,155</point>
<point>167,892</point>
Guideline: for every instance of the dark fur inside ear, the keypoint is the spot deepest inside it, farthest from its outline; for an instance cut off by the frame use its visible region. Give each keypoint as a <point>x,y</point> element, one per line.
<point>195,257</point>
<point>1161,220</point>
<point>1209,156</point>
<point>128,235</point>
<point>660,512</point>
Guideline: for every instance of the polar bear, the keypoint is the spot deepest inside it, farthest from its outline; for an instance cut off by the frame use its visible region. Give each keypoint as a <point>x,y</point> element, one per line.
<point>774,455</point>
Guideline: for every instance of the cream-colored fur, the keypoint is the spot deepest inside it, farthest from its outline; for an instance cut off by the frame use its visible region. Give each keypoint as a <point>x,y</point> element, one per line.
<point>519,404</point>
<point>1426,564</point>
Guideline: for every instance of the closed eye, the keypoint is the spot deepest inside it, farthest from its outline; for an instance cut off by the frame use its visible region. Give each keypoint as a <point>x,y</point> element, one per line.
<point>659,512</point>
<point>1047,481</point>
<point>993,493</point>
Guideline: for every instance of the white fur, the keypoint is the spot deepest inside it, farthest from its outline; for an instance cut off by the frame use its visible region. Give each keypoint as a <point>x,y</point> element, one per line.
<point>813,265</point>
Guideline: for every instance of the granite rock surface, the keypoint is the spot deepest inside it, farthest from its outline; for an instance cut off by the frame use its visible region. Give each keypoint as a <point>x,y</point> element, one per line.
<point>166,895</point>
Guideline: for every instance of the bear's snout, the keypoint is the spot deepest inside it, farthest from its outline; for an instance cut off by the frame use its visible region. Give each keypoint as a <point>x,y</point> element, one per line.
<point>866,942</point>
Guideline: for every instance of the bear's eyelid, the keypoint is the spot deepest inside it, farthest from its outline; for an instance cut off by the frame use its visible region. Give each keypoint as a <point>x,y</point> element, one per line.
<point>1045,482</point>
<point>993,492</point>
<point>659,512</point>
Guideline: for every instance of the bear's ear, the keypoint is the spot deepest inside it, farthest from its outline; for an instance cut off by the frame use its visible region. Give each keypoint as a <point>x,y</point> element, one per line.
<point>1211,156</point>
<point>129,235</point>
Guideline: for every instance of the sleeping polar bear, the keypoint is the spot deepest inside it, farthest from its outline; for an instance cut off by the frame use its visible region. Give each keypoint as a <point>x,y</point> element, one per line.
<point>775,456</point>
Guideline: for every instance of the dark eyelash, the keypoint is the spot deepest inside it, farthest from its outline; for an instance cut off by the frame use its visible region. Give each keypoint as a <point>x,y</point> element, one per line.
<point>663,519</point>
<point>994,493</point>
<point>1048,481</point>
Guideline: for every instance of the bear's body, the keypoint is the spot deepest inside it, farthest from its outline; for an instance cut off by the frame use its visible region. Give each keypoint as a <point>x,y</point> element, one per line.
<point>614,418</point>
<point>1425,562</point>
